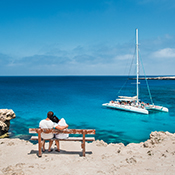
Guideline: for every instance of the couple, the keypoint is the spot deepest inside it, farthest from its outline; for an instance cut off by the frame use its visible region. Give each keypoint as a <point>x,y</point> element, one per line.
<point>52,122</point>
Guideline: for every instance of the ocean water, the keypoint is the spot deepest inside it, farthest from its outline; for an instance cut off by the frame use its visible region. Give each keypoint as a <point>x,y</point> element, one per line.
<point>79,100</point>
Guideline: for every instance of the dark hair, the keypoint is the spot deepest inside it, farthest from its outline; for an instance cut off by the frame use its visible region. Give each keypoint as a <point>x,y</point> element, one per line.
<point>54,119</point>
<point>50,114</point>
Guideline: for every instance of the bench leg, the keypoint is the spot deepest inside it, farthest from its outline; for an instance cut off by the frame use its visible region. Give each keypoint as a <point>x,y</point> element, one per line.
<point>39,143</point>
<point>83,143</point>
<point>83,148</point>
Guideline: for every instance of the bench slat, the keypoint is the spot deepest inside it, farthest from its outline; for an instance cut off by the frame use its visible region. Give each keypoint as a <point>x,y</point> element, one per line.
<point>66,131</point>
<point>68,139</point>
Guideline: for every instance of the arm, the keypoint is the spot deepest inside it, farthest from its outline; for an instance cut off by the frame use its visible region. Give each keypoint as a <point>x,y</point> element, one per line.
<point>61,127</point>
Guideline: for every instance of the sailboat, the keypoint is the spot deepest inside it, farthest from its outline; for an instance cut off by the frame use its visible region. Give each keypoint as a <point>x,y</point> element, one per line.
<point>133,104</point>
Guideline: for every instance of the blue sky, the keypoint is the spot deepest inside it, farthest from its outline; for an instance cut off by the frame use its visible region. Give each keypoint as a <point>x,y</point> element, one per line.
<point>85,37</point>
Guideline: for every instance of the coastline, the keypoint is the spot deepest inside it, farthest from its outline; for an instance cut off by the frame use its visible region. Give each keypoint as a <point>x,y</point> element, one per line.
<point>156,78</point>
<point>154,156</point>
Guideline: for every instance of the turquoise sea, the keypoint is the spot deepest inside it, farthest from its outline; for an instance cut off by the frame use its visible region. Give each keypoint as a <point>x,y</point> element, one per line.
<point>79,100</point>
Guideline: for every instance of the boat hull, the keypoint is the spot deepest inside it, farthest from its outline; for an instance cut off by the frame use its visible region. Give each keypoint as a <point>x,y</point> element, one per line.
<point>157,108</point>
<point>126,108</point>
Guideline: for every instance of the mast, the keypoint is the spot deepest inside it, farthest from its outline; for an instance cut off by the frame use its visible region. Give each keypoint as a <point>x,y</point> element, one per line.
<point>137,63</point>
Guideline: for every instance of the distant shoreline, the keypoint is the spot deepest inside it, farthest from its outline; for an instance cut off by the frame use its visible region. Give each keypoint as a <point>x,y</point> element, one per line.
<point>156,78</point>
<point>24,76</point>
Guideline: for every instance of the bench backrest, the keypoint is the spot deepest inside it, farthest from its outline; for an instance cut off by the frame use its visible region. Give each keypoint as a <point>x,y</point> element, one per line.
<point>66,131</point>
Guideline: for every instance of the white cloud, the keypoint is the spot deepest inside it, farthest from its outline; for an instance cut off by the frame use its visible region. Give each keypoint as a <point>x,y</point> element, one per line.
<point>101,59</point>
<point>165,53</point>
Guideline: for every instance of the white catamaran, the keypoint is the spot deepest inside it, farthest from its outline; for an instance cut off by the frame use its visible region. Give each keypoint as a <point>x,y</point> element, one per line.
<point>133,104</point>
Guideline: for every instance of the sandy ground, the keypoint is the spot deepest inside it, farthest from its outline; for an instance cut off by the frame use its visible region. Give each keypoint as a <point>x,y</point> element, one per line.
<point>155,156</point>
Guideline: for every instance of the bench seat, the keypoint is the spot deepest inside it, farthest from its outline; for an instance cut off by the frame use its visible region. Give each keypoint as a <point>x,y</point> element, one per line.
<point>68,139</point>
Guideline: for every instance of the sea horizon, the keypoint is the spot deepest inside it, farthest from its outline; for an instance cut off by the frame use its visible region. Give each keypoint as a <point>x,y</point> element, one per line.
<point>79,75</point>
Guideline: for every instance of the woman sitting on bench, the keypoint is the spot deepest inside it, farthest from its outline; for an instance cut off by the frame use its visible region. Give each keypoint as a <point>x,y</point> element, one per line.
<point>58,123</point>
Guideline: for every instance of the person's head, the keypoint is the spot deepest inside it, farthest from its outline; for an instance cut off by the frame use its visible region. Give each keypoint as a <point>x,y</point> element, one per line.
<point>54,119</point>
<point>50,114</point>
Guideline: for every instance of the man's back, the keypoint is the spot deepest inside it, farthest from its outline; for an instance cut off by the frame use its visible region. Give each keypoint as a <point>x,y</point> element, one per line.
<point>48,124</point>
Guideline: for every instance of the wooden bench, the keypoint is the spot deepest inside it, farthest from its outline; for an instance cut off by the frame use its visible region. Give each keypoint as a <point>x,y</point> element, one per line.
<point>83,132</point>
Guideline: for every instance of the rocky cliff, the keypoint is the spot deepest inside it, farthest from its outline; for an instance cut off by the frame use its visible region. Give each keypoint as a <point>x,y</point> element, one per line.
<point>5,116</point>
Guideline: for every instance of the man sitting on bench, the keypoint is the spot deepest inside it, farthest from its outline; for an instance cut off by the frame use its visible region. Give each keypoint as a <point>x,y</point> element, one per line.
<point>48,124</point>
